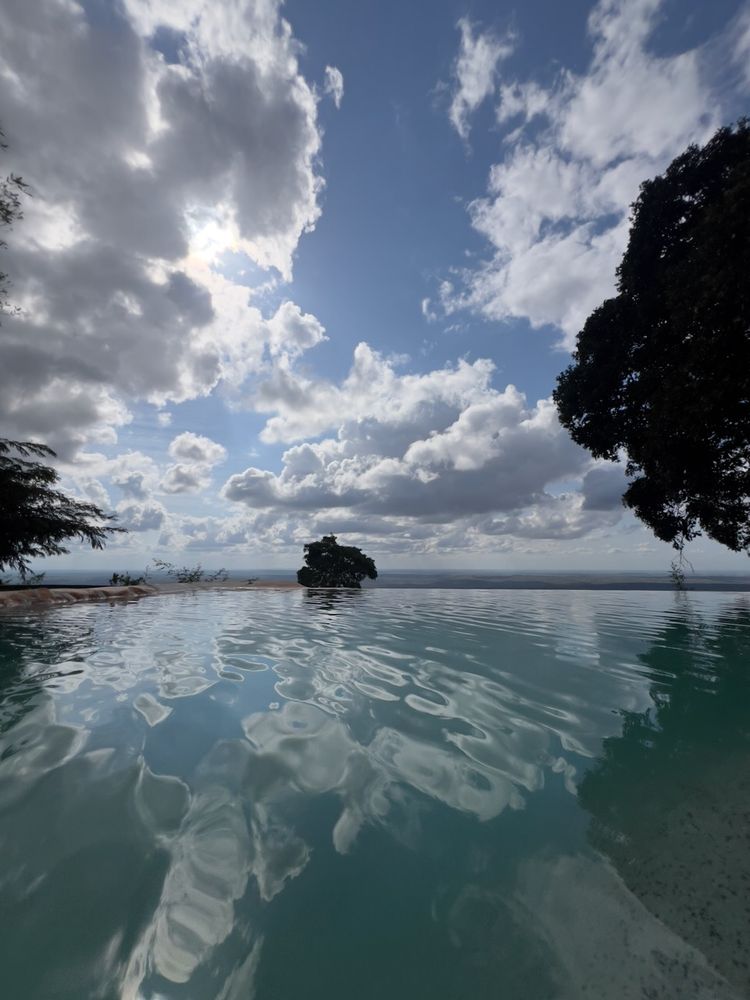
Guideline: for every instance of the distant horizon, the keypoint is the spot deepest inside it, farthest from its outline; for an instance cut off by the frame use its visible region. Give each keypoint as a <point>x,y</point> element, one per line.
<point>453,571</point>
<point>467,579</point>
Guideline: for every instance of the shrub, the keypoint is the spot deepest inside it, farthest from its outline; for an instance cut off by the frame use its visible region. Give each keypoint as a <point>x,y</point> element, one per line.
<point>191,574</point>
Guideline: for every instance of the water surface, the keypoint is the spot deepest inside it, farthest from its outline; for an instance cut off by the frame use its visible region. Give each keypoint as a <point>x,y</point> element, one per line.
<point>403,794</point>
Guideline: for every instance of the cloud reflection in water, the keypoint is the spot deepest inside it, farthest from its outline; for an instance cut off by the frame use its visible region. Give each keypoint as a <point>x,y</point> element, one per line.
<point>215,750</point>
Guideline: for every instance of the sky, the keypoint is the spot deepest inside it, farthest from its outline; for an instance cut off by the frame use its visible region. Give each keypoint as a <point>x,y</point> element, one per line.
<point>301,268</point>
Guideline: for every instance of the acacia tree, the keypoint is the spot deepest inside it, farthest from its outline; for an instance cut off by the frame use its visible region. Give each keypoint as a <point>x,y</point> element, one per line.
<point>35,518</point>
<point>662,371</point>
<point>332,565</point>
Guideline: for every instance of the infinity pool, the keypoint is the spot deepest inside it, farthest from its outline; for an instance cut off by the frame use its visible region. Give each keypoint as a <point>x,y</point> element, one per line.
<point>384,794</point>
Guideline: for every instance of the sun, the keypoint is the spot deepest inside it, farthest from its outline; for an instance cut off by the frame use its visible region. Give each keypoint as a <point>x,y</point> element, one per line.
<point>211,235</point>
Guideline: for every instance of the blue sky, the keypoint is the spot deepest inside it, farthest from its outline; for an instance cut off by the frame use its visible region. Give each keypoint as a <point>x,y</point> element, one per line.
<point>314,267</point>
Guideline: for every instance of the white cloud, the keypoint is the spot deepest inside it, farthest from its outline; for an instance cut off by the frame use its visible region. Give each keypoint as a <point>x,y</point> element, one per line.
<point>195,448</point>
<point>94,491</point>
<point>334,84</point>
<point>291,331</point>
<point>196,457</point>
<point>133,473</point>
<point>164,418</point>
<point>160,162</point>
<point>556,210</point>
<point>632,102</point>
<point>138,516</point>
<point>556,281</point>
<point>475,72</point>
<point>525,99</point>
<point>372,391</point>
<point>421,457</point>
<point>427,311</point>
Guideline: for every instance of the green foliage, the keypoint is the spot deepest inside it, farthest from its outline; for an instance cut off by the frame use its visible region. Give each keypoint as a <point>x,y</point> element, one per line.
<point>191,574</point>
<point>332,565</point>
<point>126,580</point>
<point>662,371</point>
<point>12,188</point>
<point>35,518</point>
<point>677,575</point>
<point>677,571</point>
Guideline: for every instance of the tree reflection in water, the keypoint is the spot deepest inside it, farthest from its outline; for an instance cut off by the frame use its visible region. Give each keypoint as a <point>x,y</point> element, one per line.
<point>670,797</point>
<point>30,663</point>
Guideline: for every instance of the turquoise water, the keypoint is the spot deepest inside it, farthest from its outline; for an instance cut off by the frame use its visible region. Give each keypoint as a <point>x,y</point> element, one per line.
<point>401,794</point>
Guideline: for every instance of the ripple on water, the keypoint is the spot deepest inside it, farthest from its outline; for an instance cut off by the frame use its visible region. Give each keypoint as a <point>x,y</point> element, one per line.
<point>213,749</point>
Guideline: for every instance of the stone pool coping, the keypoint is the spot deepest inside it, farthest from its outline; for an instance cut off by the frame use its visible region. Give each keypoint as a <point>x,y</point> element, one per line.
<point>42,596</point>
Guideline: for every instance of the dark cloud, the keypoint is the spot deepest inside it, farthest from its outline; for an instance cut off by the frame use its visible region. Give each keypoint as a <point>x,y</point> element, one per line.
<point>603,487</point>
<point>185,479</point>
<point>147,516</point>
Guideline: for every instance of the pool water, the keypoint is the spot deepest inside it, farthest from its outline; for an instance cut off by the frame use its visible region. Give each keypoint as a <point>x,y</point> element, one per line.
<point>401,794</point>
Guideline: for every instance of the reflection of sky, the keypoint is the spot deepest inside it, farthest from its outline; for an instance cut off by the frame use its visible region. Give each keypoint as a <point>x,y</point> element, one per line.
<point>208,731</point>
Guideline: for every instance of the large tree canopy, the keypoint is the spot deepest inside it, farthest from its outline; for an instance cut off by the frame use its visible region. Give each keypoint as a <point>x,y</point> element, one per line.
<point>332,565</point>
<point>35,518</point>
<point>662,371</point>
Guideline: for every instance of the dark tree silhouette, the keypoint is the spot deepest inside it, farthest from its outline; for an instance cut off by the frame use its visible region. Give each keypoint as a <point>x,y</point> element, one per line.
<point>332,565</point>
<point>36,518</point>
<point>662,371</point>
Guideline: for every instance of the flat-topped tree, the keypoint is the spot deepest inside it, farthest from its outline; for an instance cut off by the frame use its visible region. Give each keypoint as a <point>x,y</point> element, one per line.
<point>332,565</point>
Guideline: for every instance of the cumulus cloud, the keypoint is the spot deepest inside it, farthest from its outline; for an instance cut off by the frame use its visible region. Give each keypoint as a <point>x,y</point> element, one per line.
<point>182,478</point>
<point>133,473</point>
<point>475,72</point>
<point>93,490</point>
<point>196,457</point>
<point>146,516</point>
<point>421,456</point>
<point>195,448</point>
<point>291,331</point>
<point>188,130</point>
<point>334,84</point>
<point>497,454</point>
<point>560,517</point>
<point>555,212</point>
<point>373,394</point>
<point>133,484</point>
